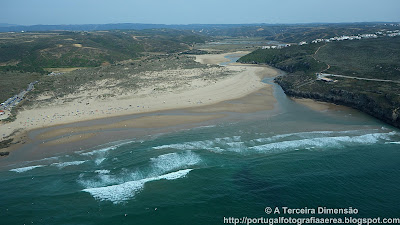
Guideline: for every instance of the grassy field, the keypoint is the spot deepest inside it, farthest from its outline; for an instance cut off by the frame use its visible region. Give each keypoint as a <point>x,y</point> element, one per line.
<point>11,83</point>
<point>31,52</point>
<point>230,44</point>
<point>370,58</point>
<point>294,33</point>
<point>26,57</point>
<point>294,59</point>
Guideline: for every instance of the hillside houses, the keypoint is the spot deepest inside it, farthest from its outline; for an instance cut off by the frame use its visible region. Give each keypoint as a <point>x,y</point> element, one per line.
<point>369,36</point>
<point>378,34</point>
<point>279,46</point>
<point>393,33</point>
<point>355,37</point>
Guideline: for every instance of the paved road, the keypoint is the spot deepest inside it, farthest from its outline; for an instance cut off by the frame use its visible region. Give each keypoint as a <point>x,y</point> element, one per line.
<point>359,78</point>
<point>16,99</point>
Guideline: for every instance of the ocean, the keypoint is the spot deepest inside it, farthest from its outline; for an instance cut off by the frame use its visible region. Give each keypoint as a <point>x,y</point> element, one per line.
<point>291,156</point>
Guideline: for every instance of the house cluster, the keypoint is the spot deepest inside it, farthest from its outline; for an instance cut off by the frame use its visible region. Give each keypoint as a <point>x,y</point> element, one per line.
<point>279,46</point>
<point>322,77</point>
<point>356,37</point>
<point>393,33</point>
<point>54,74</point>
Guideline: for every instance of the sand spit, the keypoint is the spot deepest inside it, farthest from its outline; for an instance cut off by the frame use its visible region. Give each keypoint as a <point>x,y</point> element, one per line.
<point>241,83</point>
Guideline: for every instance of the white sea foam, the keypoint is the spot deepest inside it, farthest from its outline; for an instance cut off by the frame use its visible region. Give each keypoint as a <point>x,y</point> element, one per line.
<point>99,161</point>
<point>97,151</point>
<point>301,140</point>
<point>103,178</point>
<point>227,139</point>
<point>209,126</point>
<point>24,169</point>
<point>123,192</point>
<point>337,142</point>
<point>311,134</point>
<point>106,149</point>
<point>65,164</point>
<point>208,144</point>
<point>50,158</point>
<point>173,161</point>
<point>212,145</point>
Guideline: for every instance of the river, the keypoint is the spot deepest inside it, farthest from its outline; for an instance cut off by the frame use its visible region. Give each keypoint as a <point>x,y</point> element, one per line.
<point>291,156</point>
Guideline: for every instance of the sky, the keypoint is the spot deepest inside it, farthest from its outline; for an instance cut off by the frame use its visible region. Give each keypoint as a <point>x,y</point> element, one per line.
<point>31,12</point>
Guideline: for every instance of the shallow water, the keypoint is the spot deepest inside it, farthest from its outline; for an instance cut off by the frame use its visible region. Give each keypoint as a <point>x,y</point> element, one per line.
<point>291,156</point>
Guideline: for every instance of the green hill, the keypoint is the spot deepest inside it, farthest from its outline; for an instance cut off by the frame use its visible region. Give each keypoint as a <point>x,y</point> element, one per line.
<point>368,58</point>
<point>26,57</point>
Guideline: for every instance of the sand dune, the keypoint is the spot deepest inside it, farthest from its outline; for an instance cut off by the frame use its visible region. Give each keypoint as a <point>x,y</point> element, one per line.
<point>241,81</point>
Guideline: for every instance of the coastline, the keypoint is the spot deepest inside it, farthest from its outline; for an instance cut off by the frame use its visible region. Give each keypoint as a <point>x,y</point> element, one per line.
<point>358,101</point>
<point>239,92</point>
<point>316,105</point>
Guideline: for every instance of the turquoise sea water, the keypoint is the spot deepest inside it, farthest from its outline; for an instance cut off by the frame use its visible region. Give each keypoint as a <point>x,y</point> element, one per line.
<point>291,156</point>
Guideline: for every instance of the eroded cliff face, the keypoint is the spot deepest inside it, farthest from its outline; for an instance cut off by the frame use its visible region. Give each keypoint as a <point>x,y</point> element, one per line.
<point>389,113</point>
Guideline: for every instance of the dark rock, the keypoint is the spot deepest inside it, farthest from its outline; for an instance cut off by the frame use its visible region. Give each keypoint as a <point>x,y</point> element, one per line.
<point>4,153</point>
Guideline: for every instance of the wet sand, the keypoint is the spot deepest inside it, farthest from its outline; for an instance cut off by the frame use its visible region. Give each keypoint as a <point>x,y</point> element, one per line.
<point>241,93</point>
<point>142,122</point>
<point>317,105</point>
<point>241,81</point>
<point>85,135</point>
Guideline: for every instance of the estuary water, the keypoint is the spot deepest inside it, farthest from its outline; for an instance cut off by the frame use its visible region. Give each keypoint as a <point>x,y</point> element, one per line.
<point>291,156</point>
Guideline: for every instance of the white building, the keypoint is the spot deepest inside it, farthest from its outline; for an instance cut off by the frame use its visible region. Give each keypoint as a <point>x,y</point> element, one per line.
<point>369,35</point>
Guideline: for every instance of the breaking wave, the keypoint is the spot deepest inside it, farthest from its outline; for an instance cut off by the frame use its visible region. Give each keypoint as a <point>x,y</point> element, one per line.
<point>123,192</point>
<point>123,185</point>
<point>24,169</point>
<point>327,142</point>
<point>291,141</point>
<point>106,149</point>
<point>65,164</point>
<point>173,161</point>
<point>312,134</point>
<point>216,145</point>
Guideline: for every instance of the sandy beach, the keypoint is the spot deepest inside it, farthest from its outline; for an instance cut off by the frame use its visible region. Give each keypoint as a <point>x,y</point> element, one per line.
<point>318,106</point>
<point>242,82</point>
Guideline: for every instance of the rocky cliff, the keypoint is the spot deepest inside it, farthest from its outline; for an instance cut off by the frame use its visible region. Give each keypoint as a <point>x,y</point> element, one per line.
<point>387,112</point>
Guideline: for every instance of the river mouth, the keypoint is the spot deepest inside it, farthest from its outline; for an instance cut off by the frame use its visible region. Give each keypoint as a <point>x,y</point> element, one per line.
<point>264,104</point>
<point>289,155</point>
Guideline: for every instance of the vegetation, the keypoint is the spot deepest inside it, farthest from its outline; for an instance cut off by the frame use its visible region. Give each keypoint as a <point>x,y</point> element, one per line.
<point>24,57</point>
<point>369,58</point>
<point>294,33</point>
<point>13,82</point>
<point>122,77</point>
<point>123,54</point>
<point>5,144</point>
<point>229,44</point>
<point>292,59</point>
<point>31,52</point>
